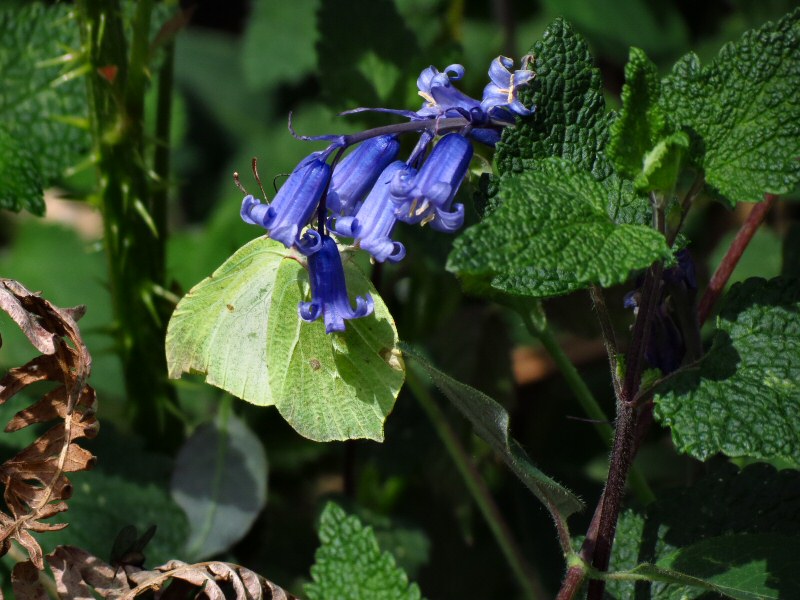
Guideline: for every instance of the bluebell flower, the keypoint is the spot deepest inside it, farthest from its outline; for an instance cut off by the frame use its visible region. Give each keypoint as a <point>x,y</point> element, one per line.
<point>427,196</point>
<point>373,223</point>
<point>500,97</point>
<point>329,291</point>
<point>294,205</point>
<point>358,171</point>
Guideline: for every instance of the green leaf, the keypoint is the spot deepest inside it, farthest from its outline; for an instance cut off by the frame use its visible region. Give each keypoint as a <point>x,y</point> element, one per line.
<point>552,234</point>
<point>43,103</point>
<point>241,329</point>
<point>278,45</point>
<point>102,504</point>
<point>742,398</point>
<point>349,564</point>
<point>367,72</point>
<point>662,165</point>
<point>20,176</point>
<point>491,423</point>
<point>735,532</point>
<point>743,111</point>
<point>641,146</point>
<point>220,481</point>
<point>570,122</point>
<point>570,119</point>
<point>641,121</point>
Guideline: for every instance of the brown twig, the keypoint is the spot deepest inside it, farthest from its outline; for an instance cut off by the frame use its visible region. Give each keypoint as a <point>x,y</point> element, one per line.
<point>732,256</point>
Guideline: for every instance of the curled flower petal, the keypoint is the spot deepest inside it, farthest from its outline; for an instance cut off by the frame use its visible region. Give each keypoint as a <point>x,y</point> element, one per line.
<point>358,171</point>
<point>329,291</point>
<point>502,92</point>
<point>294,203</point>
<point>448,221</point>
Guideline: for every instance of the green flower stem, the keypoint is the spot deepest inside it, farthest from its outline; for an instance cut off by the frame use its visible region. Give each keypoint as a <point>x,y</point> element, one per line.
<point>134,237</point>
<point>538,327</point>
<point>529,583</point>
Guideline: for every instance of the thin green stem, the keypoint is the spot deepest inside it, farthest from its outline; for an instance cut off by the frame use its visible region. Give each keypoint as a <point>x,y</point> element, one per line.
<point>586,399</point>
<point>477,487</point>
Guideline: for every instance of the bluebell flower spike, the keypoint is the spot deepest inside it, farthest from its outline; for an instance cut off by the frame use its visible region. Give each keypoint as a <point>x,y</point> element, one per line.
<point>358,171</point>
<point>329,291</point>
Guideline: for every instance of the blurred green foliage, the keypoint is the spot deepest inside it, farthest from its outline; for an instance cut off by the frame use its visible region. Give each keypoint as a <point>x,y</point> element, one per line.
<point>235,86</point>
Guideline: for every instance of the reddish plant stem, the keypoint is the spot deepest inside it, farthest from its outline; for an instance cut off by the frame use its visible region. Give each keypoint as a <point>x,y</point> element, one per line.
<point>572,583</point>
<point>734,253</point>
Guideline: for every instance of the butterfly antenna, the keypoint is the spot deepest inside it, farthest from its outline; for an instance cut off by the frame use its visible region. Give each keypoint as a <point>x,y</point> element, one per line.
<point>238,183</point>
<point>258,179</point>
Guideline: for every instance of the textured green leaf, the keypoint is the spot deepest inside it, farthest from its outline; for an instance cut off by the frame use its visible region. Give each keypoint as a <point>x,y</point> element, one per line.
<point>41,102</point>
<point>279,42</point>
<point>662,164</point>
<point>642,146</point>
<point>349,564</point>
<point>570,119</point>
<point>744,111</point>
<point>241,329</point>
<point>738,530</point>
<point>570,122</point>
<point>742,398</point>
<point>365,73</point>
<point>551,235</point>
<point>491,423</point>
<point>641,121</point>
<point>20,176</point>
<point>220,481</point>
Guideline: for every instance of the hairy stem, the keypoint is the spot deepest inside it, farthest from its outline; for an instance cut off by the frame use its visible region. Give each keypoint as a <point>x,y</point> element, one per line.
<point>732,256</point>
<point>607,331</point>
<point>540,329</point>
<point>477,487</point>
<point>133,217</point>
<point>600,537</point>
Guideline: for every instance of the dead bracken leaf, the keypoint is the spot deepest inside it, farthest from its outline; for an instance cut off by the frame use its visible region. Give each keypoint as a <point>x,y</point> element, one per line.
<point>35,482</point>
<point>25,582</point>
<point>77,574</point>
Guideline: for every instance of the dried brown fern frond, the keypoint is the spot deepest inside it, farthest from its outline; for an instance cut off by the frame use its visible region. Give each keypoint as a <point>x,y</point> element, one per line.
<point>78,574</point>
<point>35,483</point>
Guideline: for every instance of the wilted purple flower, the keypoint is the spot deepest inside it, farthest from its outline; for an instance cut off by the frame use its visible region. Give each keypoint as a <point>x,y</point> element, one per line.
<point>426,197</point>
<point>373,223</point>
<point>329,291</point>
<point>666,346</point>
<point>358,171</point>
<point>500,96</point>
<point>294,204</point>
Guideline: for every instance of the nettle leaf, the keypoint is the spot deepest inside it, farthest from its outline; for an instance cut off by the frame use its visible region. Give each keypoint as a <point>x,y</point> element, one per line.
<point>491,423</point>
<point>733,532</point>
<point>551,235</point>
<point>240,328</point>
<point>349,564</point>
<point>220,482</point>
<point>570,119</point>
<point>570,122</point>
<point>742,398</point>
<point>43,102</point>
<point>642,145</point>
<point>743,110</point>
